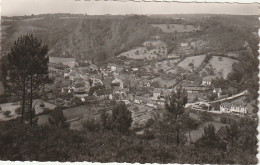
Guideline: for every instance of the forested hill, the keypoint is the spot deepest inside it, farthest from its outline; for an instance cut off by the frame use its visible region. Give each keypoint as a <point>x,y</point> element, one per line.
<point>83,37</point>
<point>101,37</point>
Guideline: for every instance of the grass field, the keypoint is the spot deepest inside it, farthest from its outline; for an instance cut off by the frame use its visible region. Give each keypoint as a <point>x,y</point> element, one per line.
<point>196,60</point>
<point>175,27</point>
<point>222,64</point>
<point>158,48</point>
<point>165,65</point>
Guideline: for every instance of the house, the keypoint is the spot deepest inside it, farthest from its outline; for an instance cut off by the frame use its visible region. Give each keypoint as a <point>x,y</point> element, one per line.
<point>107,82</point>
<point>218,91</point>
<point>135,69</point>
<point>80,90</point>
<point>237,106</point>
<point>156,94</point>
<point>184,44</point>
<point>115,96</point>
<point>102,93</point>
<point>90,98</point>
<point>137,101</point>
<point>119,82</point>
<point>207,80</point>
<point>196,89</point>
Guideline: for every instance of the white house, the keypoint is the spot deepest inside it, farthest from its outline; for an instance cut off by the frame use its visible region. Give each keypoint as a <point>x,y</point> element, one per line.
<point>135,69</point>
<point>218,91</point>
<point>113,68</point>
<point>207,81</point>
<point>138,101</point>
<point>236,106</point>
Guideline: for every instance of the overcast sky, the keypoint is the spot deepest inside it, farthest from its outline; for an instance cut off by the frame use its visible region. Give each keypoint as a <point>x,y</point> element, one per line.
<point>28,7</point>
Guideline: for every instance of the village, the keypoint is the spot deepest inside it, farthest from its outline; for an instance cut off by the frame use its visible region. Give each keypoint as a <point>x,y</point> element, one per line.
<point>84,82</point>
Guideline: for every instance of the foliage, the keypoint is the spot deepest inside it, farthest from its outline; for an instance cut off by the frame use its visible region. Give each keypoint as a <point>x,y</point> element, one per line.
<point>122,118</point>
<point>91,125</point>
<point>18,110</point>
<point>205,116</point>
<point>28,70</point>
<point>47,143</point>
<point>7,113</point>
<point>148,135</point>
<point>42,105</point>
<point>169,126</point>
<point>57,118</point>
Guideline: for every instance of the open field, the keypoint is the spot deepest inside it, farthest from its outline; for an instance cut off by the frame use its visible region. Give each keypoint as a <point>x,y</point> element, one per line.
<point>221,64</point>
<point>165,65</point>
<point>175,27</point>
<point>196,60</point>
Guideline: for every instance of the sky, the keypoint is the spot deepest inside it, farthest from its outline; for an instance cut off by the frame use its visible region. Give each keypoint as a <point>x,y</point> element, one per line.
<point>28,7</point>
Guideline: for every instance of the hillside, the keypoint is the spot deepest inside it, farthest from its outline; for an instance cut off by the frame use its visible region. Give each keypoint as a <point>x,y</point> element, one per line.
<point>101,37</point>
<point>82,37</point>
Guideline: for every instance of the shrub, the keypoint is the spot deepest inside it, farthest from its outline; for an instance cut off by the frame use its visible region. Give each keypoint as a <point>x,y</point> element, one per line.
<point>57,118</point>
<point>148,135</point>
<point>4,98</point>
<point>205,116</point>
<point>18,110</point>
<point>149,123</point>
<point>7,113</point>
<point>121,118</point>
<point>223,120</point>
<point>91,125</point>
<point>42,105</point>
<point>45,111</point>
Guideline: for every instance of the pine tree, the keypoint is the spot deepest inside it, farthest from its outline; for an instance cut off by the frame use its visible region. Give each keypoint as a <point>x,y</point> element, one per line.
<point>28,70</point>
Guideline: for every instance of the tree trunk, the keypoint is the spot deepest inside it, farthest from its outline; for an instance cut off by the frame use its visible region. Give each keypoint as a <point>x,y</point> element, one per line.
<point>190,137</point>
<point>177,138</point>
<point>31,99</point>
<point>23,100</point>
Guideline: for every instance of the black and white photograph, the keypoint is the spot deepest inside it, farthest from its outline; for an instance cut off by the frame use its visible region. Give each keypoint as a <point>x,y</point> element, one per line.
<point>124,81</point>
